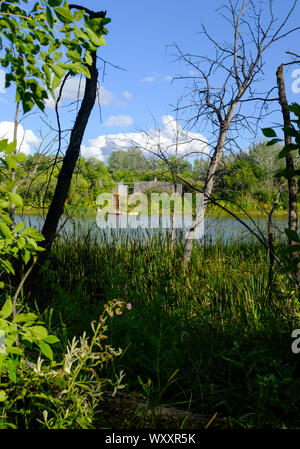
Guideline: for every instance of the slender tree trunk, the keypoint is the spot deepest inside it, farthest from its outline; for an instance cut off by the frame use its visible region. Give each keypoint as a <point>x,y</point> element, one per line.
<point>208,186</point>
<point>72,154</point>
<point>209,181</point>
<point>173,224</point>
<point>12,206</point>
<point>292,184</point>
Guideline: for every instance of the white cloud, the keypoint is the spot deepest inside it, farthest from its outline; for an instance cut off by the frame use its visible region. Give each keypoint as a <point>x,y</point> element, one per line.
<point>25,138</point>
<point>74,89</point>
<point>119,120</point>
<point>189,143</point>
<point>149,79</point>
<point>168,78</point>
<point>127,95</point>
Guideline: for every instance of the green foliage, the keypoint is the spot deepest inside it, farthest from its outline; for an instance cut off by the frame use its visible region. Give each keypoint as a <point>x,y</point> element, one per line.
<point>22,331</point>
<point>247,178</point>
<point>206,340</point>
<point>35,58</point>
<point>121,160</point>
<point>241,176</point>
<point>58,394</point>
<point>294,132</point>
<point>14,242</point>
<point>33,172</point>
<point>65,394</point>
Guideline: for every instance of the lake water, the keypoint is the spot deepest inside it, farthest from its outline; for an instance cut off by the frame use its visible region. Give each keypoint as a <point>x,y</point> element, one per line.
<point>226,229</point>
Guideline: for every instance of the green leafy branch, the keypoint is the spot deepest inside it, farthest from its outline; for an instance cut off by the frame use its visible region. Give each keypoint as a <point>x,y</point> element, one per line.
<point>37,59</point>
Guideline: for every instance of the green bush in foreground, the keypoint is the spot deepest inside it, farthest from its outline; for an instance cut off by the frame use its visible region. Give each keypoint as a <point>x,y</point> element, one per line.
<point>64,394</point>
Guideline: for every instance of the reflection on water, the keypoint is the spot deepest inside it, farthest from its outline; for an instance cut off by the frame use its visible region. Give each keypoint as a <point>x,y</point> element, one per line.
<point>225,229</point>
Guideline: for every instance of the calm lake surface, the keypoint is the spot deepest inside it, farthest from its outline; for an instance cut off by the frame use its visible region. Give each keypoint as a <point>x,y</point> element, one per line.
<point>226,229</point>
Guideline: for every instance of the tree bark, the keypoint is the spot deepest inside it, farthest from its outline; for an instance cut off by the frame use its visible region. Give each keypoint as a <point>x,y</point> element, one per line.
<point>292,185</point>
<point>209,183</point>
<point>12,206</point>
<point>72,154</point>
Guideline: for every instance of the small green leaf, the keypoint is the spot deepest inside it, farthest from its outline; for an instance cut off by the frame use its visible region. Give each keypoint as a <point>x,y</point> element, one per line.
<point>78,68</point>
<point>64,14</point>
<point>78,15</point>
<point>51,339</point>
<point>292,235</point>
<point>3,144</point>
<point>290,131</point>
<point>19,226</point>
<point>96,40</point>
<point>11,162</point>
<point>15,199</point>
<point>269,132</point>
<point>292,249</point>
<point>5,231</point>
<point>20,157</point>
<point>13,350</point>
<point>26,256</point>
<point>273,142</point>
<point>12,369</point>
<point>55,82</point>
<point>286,150</point>
<point>46,350</point>
<point>25,317</point>
<point>39,332</point>
<point>47,72</point>
<point>32,232</point>
<point>3,396</point>
<point>11,147</point>
<point>88,58</point>
<point>74,55</point>
<point>7,265</point>
<point>286,173</point>
<point>49,17</point>
<point>79,34</point>
<point>4,217</point>
<point>7,309</point>
<point>58,70</point>
<point>54,3</point>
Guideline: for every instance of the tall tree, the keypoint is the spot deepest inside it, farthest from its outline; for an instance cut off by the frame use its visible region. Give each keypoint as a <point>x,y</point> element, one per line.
<point>38,46</point>
<point>239,63</point>
<point>289,158</point>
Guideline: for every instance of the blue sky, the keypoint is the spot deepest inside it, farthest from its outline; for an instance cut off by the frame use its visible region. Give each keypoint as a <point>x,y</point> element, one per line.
<point>140,40</point>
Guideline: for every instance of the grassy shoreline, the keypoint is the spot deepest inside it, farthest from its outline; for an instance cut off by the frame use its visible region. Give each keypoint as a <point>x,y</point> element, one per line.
<point>209,339</point>
<point>212,213</point>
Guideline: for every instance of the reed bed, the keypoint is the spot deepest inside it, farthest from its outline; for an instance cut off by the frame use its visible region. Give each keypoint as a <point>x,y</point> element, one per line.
<point>210,338</point>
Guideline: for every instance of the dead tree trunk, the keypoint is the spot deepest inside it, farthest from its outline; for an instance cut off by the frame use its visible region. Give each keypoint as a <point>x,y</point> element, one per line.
<point>209,183</point>
<point>240,63</point>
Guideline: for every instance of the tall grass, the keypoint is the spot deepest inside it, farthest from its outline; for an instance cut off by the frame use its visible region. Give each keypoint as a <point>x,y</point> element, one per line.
<point>208,338</point>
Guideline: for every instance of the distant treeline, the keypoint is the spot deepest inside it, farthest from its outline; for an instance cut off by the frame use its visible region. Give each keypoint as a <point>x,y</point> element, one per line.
<point>246,178</point>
